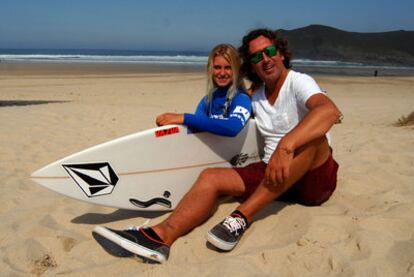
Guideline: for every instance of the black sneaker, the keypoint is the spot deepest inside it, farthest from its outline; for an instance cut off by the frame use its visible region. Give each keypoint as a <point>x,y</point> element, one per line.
<point>130,242</point>
<point>227,234</point>
<point>109,246</point>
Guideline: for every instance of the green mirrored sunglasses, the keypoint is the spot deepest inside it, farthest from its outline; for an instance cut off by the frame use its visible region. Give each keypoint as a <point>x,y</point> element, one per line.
<point>270,51</point>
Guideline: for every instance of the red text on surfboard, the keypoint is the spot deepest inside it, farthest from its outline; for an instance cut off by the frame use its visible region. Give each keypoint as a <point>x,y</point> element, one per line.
<point>166,132</point>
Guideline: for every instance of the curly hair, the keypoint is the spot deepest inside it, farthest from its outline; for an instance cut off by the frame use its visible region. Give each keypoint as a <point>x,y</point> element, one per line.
<point>281,44</point>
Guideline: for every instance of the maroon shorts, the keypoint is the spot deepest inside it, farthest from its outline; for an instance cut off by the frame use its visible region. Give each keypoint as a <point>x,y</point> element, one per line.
<point>314,188</point>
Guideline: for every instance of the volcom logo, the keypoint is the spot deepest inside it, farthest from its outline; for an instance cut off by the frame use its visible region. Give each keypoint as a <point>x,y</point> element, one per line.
<point>239,159</point>
<point>94,179</point>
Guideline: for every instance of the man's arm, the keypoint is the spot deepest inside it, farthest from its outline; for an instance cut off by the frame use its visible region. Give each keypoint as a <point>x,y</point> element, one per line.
<point>322,114</point>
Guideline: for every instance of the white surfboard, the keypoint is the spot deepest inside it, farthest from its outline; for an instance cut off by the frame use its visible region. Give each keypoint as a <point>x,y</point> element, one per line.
<point>148,170</point>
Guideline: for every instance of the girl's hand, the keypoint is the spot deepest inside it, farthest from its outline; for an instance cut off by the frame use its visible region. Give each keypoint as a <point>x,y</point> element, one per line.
<point>169,118</point>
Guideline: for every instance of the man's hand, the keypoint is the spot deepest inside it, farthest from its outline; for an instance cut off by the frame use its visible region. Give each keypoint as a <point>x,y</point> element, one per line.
<point>169,118</point>
<point>278,170</point>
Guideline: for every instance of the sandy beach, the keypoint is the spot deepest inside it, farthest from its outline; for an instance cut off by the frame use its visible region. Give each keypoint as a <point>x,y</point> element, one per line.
<point>48,112</point>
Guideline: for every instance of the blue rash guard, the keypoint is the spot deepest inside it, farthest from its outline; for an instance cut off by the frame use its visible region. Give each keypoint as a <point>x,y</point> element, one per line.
<point>229,124</point>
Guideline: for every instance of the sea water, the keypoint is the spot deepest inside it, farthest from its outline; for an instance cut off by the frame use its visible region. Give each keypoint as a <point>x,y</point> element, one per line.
<point>101,56</point>
<point>181,58</point>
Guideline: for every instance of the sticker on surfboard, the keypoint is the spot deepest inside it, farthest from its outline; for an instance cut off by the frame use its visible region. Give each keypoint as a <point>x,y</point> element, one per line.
<point>166,132</point>
<point>239,159</point>
<point>163,201</point>
<point>95,179</point>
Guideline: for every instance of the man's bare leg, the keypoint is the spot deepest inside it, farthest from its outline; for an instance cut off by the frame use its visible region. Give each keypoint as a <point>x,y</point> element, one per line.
<point>198,204</point>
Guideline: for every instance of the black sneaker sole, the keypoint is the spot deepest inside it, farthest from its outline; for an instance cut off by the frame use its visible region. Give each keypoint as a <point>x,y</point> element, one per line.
<point>113,243</point>
<point>111,247</point>
<point>219,243</point>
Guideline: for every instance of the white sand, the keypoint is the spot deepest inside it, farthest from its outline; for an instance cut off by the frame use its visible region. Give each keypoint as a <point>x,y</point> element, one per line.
<point>365,229</point>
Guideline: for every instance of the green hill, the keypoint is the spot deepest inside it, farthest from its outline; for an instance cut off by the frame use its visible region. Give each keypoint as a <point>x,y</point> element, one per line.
<point>319,42</point>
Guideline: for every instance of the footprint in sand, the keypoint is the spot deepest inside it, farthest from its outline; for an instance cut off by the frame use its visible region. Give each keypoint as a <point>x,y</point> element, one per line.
<point>67,242</point>
<point>43,264</point>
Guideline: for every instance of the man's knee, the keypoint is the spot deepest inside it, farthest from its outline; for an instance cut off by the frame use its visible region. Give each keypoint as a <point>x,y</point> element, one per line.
<point>208,174</point>
<point>221,180</point>
<point>208,178</point>
<point>317,151</point>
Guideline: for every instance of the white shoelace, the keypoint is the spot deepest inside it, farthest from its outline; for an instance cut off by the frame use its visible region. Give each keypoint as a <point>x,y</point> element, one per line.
<point>136,228</point>
<point>234,224</point>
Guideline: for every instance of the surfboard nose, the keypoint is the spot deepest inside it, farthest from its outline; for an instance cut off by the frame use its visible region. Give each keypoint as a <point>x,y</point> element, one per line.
<point>38,177</point>
<point>46,175</point>
<point>51,170</point>
<point>37,173</point>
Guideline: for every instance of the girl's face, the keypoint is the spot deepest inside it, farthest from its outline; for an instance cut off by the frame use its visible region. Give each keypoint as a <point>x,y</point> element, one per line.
<point>222,72</point>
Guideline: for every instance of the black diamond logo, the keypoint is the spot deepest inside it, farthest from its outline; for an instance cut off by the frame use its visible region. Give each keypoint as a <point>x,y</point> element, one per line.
<point>94,179</point>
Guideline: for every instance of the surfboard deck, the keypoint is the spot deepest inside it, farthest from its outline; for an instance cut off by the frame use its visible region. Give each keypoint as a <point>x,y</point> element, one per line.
<point>149,170</point>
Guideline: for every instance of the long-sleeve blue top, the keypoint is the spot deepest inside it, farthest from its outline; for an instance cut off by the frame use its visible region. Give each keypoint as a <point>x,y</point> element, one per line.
<point>212,119</point>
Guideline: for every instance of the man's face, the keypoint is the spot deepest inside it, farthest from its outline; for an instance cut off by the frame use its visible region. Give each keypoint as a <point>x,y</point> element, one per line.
<point>268,69</point>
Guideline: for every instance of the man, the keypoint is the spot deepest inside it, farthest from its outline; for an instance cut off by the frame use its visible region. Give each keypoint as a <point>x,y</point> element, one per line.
<point>293,115</point>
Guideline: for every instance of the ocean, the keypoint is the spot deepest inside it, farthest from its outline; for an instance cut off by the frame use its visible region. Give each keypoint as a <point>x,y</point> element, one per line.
<point>102,56</point>
<point>179,58</point>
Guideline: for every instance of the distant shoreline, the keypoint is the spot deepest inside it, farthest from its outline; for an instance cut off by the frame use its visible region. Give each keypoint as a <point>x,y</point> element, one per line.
<point>354,71</point>
<point>24,69</point>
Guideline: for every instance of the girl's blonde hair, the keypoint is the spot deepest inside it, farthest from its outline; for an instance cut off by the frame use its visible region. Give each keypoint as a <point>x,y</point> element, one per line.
<point>230,53</point>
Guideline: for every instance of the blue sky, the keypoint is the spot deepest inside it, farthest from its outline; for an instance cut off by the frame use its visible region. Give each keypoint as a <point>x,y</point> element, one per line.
<point>182,24</point>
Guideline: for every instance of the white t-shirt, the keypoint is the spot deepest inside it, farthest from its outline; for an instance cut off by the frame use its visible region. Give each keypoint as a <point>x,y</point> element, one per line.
<point>275,121</point>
